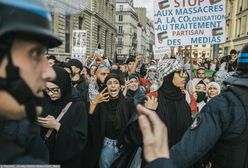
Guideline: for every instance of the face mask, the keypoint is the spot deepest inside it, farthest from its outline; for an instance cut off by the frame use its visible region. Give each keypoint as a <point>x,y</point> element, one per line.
<point>200,96</point>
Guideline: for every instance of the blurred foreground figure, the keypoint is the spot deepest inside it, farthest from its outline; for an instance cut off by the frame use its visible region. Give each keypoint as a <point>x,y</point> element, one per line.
<point>25,34</point>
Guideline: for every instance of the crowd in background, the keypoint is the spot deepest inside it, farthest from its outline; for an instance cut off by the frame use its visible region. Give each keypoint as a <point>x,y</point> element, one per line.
<point>103,95</point>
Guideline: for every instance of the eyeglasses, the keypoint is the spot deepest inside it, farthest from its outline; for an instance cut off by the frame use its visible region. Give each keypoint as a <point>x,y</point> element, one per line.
<point>181,72</point>
<point>52,90</point>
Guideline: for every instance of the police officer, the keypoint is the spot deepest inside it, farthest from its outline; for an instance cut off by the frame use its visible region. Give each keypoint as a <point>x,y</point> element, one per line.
<point>220,129</point>
<point>25,34</point>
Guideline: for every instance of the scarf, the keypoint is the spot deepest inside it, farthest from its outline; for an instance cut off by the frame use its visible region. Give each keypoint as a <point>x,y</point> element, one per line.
<point>173,109</point>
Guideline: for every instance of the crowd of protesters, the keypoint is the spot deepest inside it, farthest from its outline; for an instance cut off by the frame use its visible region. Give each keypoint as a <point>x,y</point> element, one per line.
<point>85,114</point>
<point>104,131</point>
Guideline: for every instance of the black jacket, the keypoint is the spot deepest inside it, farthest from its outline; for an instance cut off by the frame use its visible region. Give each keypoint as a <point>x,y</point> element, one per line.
<point>222,119</point>
<point>97,132</point>
<point>66,145</point>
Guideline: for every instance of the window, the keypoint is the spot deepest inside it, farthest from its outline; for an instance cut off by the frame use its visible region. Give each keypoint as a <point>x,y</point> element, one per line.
<point>80,23</point>
<point>120,29</point>
<point>120,17</point>
<point>121,7</point>
<point>67,33</point>
<point>204,45</point>
<point>238,27</point>
<point>67,23</point>
<point>98,33</point>
<point>119,51</point>
<point>52,15</point>
<point>106,42</point>
<point>227,30</point>
<point>67,42</point>
<point>243,24</point>
<point>119,41</point>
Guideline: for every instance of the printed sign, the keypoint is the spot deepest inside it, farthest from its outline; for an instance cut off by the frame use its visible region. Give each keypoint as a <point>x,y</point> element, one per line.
<point>189,22</point>
<point>160,52</point>
<point>79,44</point>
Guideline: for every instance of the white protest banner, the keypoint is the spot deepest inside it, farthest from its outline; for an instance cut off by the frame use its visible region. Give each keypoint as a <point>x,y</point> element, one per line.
<point>160,52</point>
<point>189,22</point>
<point>79,44</point>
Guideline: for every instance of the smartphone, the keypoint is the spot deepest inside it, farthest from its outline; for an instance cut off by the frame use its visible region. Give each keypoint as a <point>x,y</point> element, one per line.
<point>102,87</point>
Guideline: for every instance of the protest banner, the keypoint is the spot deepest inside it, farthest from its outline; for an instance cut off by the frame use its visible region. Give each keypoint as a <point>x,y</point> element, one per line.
<point>79,44</point>
<point>160,52</point>
<point>189,22</point>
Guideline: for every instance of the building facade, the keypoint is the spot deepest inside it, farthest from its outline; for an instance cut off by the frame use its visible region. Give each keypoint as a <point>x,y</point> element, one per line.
<point>141,39</point>
<point>126,22</point>
<point>236,26</point>
<point>150,38</point>
<point>98,20</point>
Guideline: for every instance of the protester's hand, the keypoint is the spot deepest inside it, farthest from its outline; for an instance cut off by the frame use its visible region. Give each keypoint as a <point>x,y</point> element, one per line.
<point>98,57</point>
<point>151,103</point>
<point>126,87</point>
<point>49,122</point>
<point>155,136</point>
<point>102,97</point>
<point>127,84</point>
<point>138,58</point>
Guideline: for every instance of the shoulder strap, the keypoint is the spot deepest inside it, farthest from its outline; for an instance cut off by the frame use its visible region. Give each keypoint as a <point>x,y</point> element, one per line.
<point>62,113</point>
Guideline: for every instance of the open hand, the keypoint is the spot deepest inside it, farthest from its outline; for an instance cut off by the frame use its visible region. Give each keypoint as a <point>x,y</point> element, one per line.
<point>155,135</point>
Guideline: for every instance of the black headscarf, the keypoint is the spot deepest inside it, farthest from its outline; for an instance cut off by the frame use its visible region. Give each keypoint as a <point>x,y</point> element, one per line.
<point>54,108</point>
<point>63,81</point>
<point>173,109</point>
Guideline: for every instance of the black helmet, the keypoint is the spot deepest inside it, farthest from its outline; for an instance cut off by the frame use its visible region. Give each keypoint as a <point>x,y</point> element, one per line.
<point>28,17</point>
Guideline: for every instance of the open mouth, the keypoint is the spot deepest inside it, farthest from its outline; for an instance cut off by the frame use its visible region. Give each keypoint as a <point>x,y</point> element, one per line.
<point>113,91</point>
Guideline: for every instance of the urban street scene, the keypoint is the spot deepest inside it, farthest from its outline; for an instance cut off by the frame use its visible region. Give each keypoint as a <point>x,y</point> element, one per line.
<point>124,83</point>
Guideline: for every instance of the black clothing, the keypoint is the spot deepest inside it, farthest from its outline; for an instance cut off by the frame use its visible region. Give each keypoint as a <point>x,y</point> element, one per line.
<point>137,95</point>
<point>97,127</point>
<point>221,122</point>
<point>21,143</point>
<point>66,145</point>
<point>110,131</point>
<point>232,65</point>
<point>82,87</point>
<point>161,163</point>
<point>173,110</point>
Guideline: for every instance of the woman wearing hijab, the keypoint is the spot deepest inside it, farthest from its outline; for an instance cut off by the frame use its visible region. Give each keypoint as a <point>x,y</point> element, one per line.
<point>107,123</point>
<point>213,89</point>
<point>200,94</point>
<point>173,108</point>
<point>134,89</point>
<point>64,122</point>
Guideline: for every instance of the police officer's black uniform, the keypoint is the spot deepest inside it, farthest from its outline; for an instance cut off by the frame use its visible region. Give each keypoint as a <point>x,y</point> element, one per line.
<point>22,18</point>
<point>220,129</point>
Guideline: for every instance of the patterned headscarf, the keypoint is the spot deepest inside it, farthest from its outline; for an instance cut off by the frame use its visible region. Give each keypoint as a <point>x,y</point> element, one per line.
<point>164,68</point>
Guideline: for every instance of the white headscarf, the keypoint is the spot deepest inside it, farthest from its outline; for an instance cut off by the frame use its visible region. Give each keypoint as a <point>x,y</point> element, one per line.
<point>215,84</point>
